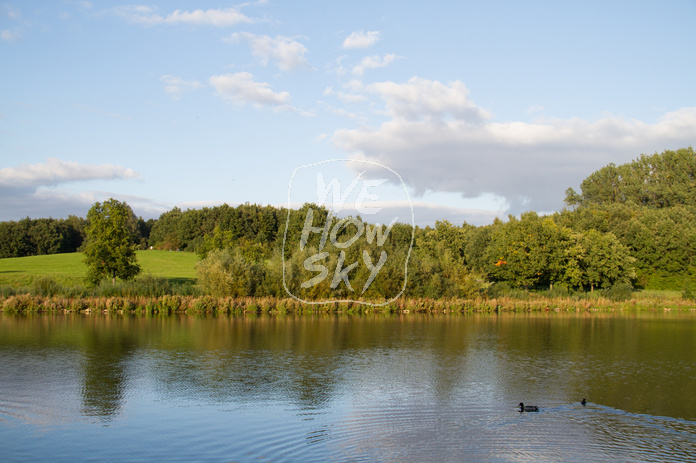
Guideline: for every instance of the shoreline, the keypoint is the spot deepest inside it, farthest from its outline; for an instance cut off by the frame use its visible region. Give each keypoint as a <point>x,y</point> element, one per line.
<point>171,305</point>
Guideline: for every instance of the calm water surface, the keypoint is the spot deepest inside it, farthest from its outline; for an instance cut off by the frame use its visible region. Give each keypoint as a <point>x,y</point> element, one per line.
<point>364,388</point>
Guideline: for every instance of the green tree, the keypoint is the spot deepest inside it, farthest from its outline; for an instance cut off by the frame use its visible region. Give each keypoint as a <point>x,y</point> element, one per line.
<point>658,180</point>
<point>605,261</point>
<point>225,272</point>
<point>163,234</point>
<point>111,238</point>
<point>529,251</point>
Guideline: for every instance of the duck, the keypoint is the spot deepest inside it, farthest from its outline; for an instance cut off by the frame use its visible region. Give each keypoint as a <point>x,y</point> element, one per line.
<point>583,401</point>
<point>528,408</point>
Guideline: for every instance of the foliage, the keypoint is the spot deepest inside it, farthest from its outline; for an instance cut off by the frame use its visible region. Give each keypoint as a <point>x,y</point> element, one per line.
<point>529,252</point>
<point>619,292</point>
<point>142,286</point>
<point>46,286</point>
<point>34,237</point>
<point>504,289</point>
<point>689,289</point>
<point>202,230</point>
<point>604,261</point>
<point>227,272</point>
<point>659,180</point>
<point>111,239</point>
<point>38,237</point>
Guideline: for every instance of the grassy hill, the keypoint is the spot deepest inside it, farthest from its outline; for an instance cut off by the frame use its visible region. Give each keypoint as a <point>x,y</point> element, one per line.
<point>177,267</point>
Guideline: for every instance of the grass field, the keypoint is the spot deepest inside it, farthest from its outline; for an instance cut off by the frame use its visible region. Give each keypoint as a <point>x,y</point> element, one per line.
<point>177,267</point>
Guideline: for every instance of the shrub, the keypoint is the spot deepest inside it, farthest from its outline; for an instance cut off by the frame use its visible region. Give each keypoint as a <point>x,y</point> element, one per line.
<point>46,286</point>
<point>150,286</point>
<point>559,290</point>
<point>205,304</point>
<point>227,273</point>
<point>503,289</point>
<point>169,304</point>
<point>617,293</point>
<point>11,305</point>
<point>7,291</point>
<point>20,303</point>
<point>107,289</point>
<point>185,289</point>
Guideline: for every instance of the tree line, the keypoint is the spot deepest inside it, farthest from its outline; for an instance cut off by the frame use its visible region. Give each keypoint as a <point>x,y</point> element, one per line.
<point>633,224</point>
<point>37,237</point>
<point>34,237</point>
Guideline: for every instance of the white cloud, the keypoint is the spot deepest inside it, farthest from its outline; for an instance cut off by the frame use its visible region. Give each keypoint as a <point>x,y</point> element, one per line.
<point>428,99</point>
<point>175,86</point>
<point>55,171</point>
<point>438,140</point>
<point>351,97</point>
<point>285,52</point>
<point>52,202</point>
<point>345,97</point>
<point>426,213</point>
<point>14,33</point>
<point>240,88</point>
<point>361,39</point>
<point>12,12</point>
<point>373,62</point>
<point>43,190</point>
<point>10,36</point>
<point>213,17</point>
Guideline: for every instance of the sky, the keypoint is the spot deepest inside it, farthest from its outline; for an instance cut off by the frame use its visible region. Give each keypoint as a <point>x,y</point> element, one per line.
<point>483,109</point>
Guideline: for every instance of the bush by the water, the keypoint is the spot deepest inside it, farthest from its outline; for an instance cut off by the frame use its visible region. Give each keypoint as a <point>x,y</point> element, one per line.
<point>226,272</point>
<point>617,293</point>
<point>504,289</point>
<point>46,286</point>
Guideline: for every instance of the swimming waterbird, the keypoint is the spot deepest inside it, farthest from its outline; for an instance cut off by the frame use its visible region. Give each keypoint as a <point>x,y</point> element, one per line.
<point>528,408</point>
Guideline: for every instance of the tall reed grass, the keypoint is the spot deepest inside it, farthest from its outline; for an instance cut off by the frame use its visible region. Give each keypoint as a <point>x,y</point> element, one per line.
<point>168,304</point>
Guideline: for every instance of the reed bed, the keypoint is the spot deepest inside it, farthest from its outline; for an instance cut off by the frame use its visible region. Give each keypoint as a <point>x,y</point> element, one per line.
<point>182,304</point>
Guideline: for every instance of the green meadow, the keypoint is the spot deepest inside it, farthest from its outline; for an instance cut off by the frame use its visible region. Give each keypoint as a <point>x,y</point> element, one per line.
<point>68,269</point>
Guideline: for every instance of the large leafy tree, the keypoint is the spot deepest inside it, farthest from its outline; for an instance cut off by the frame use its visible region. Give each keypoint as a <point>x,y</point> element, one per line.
<point>111,238</point>
<point>605,261</point>
<point>530,251</point>
<point>659,180</point>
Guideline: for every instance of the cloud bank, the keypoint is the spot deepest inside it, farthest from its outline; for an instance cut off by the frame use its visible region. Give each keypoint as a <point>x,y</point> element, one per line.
<point>439,140</point>
<point>29,190</point>
<point>55,171</point>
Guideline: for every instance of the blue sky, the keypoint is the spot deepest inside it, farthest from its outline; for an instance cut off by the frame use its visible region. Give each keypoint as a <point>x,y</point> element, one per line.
<point>483,108</point>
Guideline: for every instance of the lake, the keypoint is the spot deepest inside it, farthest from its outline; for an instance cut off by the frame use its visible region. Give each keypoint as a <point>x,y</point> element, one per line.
<point>411,387</point>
